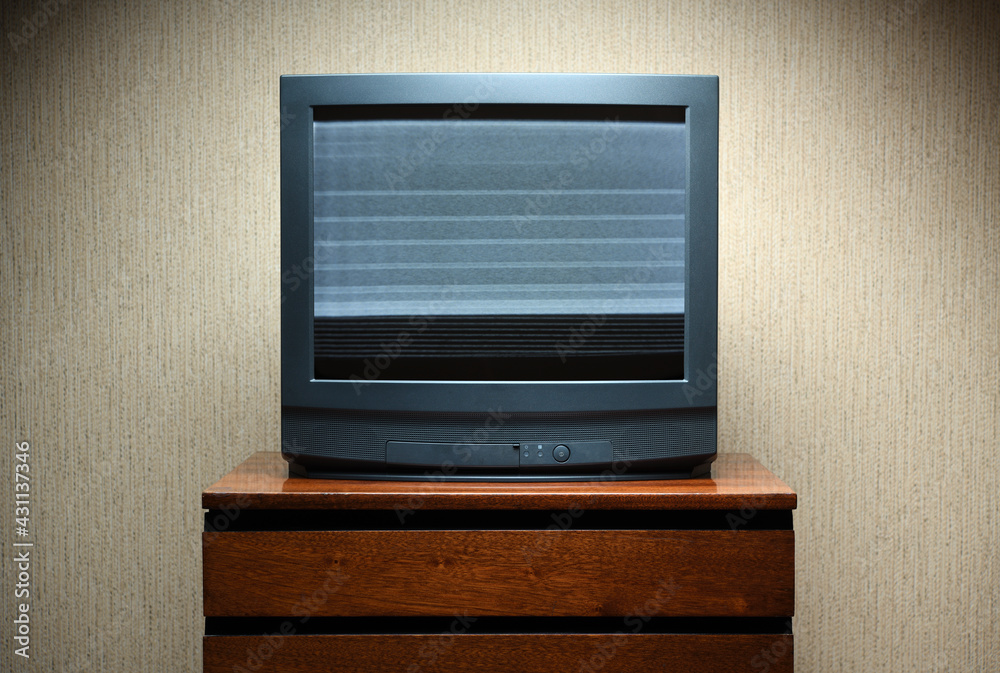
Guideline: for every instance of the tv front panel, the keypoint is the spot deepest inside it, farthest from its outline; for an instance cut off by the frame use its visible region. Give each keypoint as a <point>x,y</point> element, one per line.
<point>498,276</point>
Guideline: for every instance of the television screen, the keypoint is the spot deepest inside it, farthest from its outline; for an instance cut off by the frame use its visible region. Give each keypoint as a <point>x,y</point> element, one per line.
<point>487,240</point>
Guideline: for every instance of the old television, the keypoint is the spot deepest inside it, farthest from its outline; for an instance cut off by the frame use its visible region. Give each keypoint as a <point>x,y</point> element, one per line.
<point>503,277</point>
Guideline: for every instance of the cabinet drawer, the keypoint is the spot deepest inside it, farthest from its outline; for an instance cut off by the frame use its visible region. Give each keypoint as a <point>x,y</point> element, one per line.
<point>499,653</point>
<point>499,572</point>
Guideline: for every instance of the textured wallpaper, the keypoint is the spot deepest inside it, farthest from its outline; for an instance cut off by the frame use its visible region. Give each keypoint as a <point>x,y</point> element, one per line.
<point>859,295</point>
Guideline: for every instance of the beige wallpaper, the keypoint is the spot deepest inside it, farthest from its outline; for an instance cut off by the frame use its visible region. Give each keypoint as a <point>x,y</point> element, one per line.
<point>859,303</point>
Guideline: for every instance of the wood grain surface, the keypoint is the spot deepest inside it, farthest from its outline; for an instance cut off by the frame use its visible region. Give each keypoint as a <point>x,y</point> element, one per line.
<point>500,572</point>
<point>262,482</point>
<point>500,653</point>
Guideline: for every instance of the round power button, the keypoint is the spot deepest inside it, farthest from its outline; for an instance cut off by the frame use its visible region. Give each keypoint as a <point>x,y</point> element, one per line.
<point>561,453</point>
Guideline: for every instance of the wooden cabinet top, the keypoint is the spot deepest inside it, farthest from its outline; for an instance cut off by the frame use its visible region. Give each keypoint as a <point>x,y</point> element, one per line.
<point>737,481</point>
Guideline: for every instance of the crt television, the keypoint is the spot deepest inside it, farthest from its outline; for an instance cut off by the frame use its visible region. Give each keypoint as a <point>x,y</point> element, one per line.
<point>499,276</point>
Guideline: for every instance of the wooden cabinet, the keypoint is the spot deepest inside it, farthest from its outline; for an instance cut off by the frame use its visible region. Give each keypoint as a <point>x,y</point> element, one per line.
<point>337,575</point>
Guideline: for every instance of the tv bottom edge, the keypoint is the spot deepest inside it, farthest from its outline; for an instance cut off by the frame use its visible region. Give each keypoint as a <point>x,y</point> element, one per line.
<point>498,446</point>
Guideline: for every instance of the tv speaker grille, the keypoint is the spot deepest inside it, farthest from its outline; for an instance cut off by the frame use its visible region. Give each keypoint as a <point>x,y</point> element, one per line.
<point>362,435</point>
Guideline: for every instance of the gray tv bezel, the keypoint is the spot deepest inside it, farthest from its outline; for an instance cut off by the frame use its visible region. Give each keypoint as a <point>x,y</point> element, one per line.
<point>699,94</point>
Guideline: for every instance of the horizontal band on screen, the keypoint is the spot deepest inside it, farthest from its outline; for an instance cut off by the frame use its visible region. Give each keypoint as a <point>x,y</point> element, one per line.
<point>459,111</point>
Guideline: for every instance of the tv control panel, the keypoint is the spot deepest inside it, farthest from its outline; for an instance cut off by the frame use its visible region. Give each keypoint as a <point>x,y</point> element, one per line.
<point>526,455</point>
<point>568,454</point>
